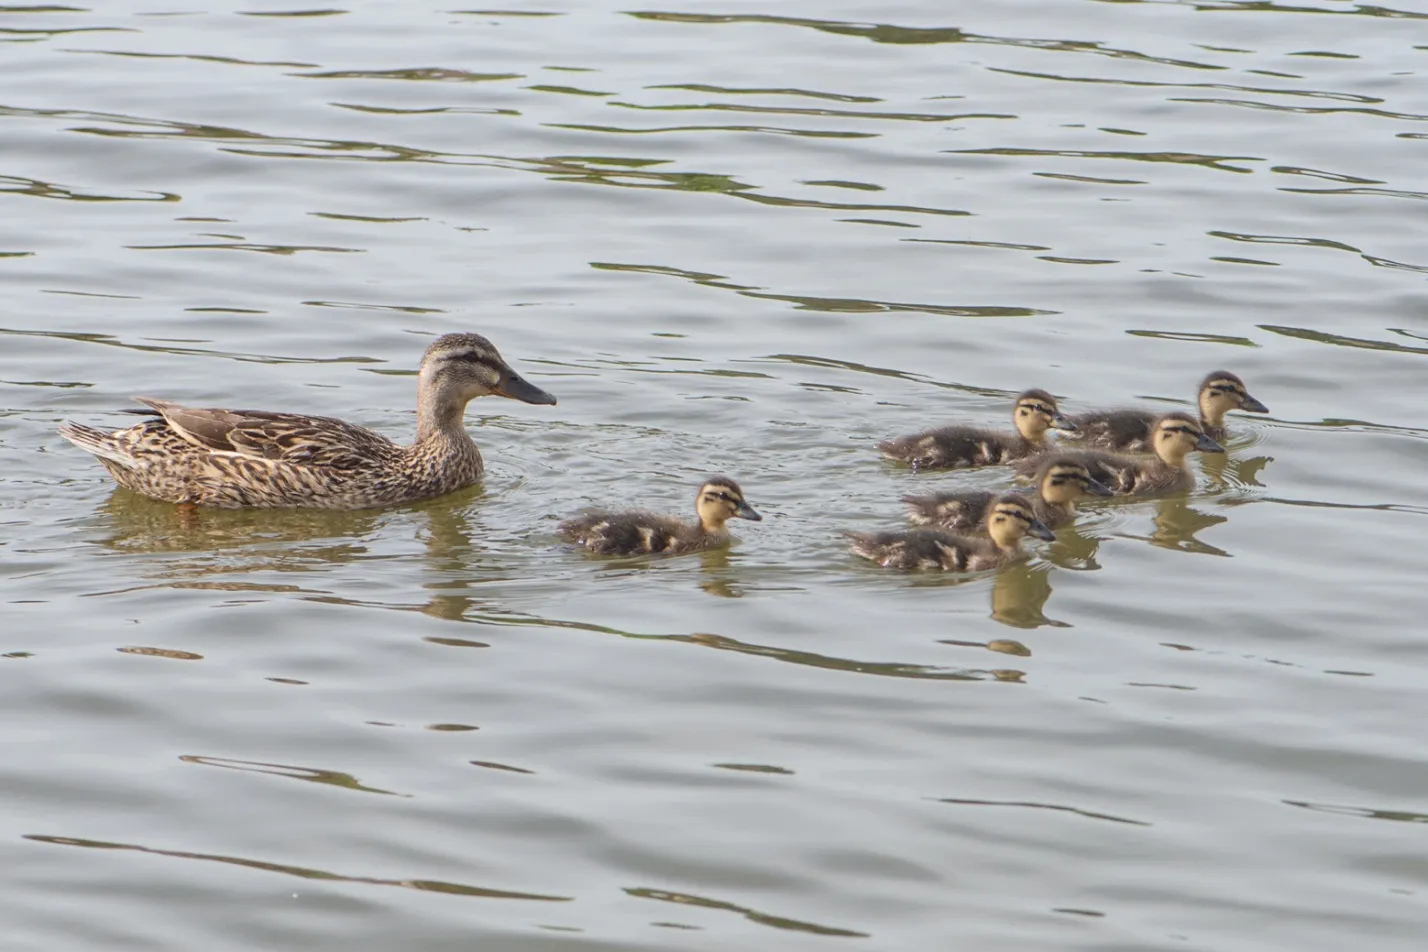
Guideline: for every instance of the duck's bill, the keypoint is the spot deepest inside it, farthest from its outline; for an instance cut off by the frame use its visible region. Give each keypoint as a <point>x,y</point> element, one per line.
<point>1206,445</point>
<point>1251,405</point>
<point>1041,530</point>
<point>746,511</point>
<point>518,388</point>
<point>1062,422</point>
<point>1099,489</point>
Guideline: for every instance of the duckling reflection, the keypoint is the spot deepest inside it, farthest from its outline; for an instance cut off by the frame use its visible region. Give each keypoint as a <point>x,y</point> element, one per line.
<point>953,447</point>
<point>1227,472</point>
<point>1176,523</point>
<point>1019,597</point>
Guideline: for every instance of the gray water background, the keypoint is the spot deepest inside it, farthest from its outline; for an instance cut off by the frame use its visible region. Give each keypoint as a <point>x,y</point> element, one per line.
<point>749,239</point>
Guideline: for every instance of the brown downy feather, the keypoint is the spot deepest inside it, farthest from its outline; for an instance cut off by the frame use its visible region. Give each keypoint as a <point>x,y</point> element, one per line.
<point>954,447</point>
<point>636,532</point>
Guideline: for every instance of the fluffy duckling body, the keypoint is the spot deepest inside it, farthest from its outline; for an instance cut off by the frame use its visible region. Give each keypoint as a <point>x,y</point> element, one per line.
<point>1009,518</point>
<point>1129,429</point>
<point>234,459</point>
<point>1061,480</point>
<point>1174,436</point>
<point>636,532</point>
<point>954,447</point>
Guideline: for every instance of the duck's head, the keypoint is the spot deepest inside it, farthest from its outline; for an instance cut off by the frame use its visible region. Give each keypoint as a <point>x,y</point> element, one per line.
<point>461,367</point>
<point>1012,517</point>
<point>720,499</point>
<point>1222,392</point>
<point>1065,479</point>
<point>1036,412</point>
<point>1175,435</point>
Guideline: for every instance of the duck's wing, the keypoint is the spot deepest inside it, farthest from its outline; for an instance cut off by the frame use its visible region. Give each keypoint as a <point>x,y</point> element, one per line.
<point>961,511</point>
<point>282,437</point>
<point>624,533</point>
<point>1122,429</point>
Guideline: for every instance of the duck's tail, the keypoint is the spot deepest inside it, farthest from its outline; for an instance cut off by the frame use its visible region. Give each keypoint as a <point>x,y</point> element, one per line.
<point>98,442</point>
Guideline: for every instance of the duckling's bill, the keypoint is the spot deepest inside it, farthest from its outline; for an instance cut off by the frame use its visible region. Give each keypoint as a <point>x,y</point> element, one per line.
<point>1206,445</point>
<point>746,511</point>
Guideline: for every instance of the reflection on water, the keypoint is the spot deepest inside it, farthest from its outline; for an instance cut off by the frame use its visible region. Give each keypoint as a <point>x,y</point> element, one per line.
<point>704,221</point>
<point>1019,596</point>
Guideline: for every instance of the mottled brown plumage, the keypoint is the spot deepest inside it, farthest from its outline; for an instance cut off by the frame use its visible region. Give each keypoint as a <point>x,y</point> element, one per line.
<point>1060,481</point>
<point>636,532</point>
<point>1174,436</point>
<point>954,447</point>
<point>1008,519</point>
<point>234,459</point>
<point>1129,429</point>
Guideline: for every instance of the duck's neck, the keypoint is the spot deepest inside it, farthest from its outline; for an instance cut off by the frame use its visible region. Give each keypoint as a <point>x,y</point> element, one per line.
<point>1212,415</point>
<point>1174,458</point>
<point>1007,542</point>
<point>441,417</point>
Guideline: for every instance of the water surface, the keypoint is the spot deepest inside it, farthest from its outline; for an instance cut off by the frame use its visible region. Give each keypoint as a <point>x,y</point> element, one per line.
<point>739,239</point>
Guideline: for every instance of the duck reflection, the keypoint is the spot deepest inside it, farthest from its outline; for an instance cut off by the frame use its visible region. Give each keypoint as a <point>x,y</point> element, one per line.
<point>1019,595</point>
<point>1227,472</point>
<point>1176,523</point>
<point>134,524</point>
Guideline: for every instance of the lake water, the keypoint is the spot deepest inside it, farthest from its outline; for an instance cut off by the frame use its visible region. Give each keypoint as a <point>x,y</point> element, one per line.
<point>747,239</point>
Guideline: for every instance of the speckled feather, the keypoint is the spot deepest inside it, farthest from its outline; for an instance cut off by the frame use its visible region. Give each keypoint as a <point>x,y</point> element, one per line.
<point>966,510</point>
<point>1126,475</point>
<point>1125,430</point>
<point>955,447</point>
<point>927,548</point>
<point>637,532</point>
<point>257,458</point>
<point>234,459</point>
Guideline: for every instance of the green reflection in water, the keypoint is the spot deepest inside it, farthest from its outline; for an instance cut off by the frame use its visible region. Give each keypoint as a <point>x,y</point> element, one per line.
<point>311,774</point>
<point>808,303</point>
<point>762,918</point>
<point>302,872</point>
<point>1054,807</point>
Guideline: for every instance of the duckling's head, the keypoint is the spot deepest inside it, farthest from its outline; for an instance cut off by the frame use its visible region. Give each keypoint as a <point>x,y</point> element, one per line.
<point>460,367</point>
<point>720,499</point>
<point>1065,479</point>
<point>1222,392</point>
<point>1176,435</point>
<point>1036,412</point>
<point>1012,517</point>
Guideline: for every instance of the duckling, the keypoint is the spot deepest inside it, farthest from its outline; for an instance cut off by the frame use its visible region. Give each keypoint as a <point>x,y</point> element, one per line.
<point>1061,479</point>
<point>1010,517</point>
<point>1129,429</point>
<point>952,447</point>
<point>637,532</point>
<point>236,459</point>
<point>1173,436</point>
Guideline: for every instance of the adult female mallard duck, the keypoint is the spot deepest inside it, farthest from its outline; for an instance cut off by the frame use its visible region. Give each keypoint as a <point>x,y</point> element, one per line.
<point>636,532</point>
<point>1010,517</point>
<point>1060,480</point>
<point>234,459</point>
<point>1173,436</point>
<point>1129,429</point>
<point>952,447</point>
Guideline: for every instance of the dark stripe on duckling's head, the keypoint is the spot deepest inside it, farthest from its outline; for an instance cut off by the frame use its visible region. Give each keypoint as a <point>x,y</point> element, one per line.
<point>1184,427</point>
<point>1043,405</point>
<point>1227,386</point>
<point>721,489</point>
<point>1017,509</point>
